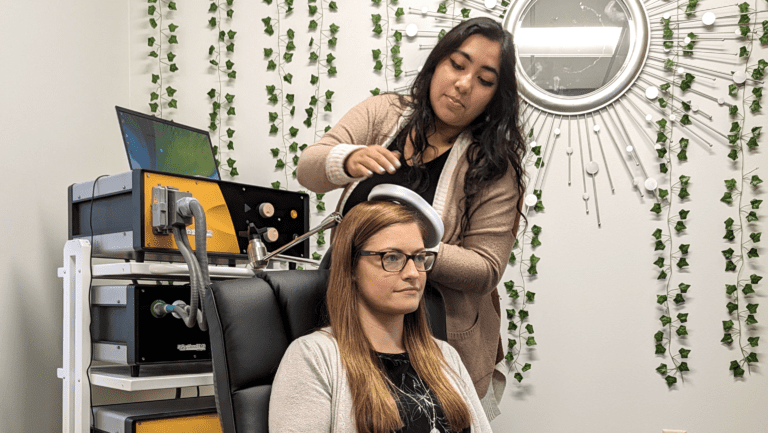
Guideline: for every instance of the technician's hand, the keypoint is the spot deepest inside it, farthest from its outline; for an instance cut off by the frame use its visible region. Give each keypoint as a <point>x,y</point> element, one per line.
<point>371,159</point>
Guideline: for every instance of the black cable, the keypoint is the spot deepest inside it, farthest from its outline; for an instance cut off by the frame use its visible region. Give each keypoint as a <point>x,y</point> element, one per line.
<point>90,286</point>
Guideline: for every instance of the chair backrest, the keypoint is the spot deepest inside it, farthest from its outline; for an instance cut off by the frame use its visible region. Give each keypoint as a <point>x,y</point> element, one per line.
<point>251,322</point>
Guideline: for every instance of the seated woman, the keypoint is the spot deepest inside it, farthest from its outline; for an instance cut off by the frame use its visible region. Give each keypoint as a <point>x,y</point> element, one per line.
<point>376,367</point>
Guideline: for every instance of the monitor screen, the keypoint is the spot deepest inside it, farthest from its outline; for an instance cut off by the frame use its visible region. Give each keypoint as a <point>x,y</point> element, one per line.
<point>156,144</point>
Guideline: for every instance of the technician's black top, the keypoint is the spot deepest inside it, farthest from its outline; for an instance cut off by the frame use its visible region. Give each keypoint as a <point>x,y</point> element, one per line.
<point>404,176</point>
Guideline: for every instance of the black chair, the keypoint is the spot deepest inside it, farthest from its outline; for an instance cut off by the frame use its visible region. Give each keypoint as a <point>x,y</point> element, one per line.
<point>251,323</point>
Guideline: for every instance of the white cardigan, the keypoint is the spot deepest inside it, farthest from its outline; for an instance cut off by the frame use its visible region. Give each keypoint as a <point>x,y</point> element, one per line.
<point>310,392</point>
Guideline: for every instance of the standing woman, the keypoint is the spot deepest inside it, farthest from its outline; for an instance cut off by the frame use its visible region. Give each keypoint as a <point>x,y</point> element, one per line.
<point>455,140</point>
<point>376,368</point>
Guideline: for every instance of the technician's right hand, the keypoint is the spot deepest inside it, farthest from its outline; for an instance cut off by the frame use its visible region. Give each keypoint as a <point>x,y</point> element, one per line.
<point>371,159</point>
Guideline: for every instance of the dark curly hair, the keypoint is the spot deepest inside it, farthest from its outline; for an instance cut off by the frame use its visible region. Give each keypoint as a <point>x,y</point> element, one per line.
<point>497,141</point>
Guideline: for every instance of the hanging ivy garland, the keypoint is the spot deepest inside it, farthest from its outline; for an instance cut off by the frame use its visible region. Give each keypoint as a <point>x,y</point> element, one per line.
<point>162,97</point>
<point>741,295</point>
<point>674,327</point>
<point>287,154</point>
<point>223,67</point>
<point>381,57</point>
<point>519,325</point>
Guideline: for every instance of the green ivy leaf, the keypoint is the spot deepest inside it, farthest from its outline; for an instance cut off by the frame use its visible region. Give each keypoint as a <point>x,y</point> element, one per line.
<point>659,262</point>
<point>679,298</point>
<point>173,103</point>
<point>682,262</point>
<point>293,131</point>
<point>312,24</point>
<point>523,315</point>
<point>733,89</point>
<point>530,341</point>
<point>681,331</point>
<point>752,253</point>
<point>727,325</point>
<point>680,226</point>
<point>733,110</point>
<point>753,341</point>
<point>750,320</point>
<point>755,181</point>
<point>728,254</point>
<point>748,290</point>
<point>173,39</point>
<point>730,266</point>
<point>659,246</point>
<point>660,299</point>
<point>657,234</point>
<point>684,353</point>
<point>530,296</point>
<point>755,237</point>
<point>727,198</point>
<point>731,307</point>
<point>273,129</point>
<point>271,65</point>
<point>752,308</point>
<point>512,258</point>
<point>172,27</point>
<point>660,349</point>
<point>665,320</point>
<point>754,278</point>
<point>682,317</point>
<point>288,78</point>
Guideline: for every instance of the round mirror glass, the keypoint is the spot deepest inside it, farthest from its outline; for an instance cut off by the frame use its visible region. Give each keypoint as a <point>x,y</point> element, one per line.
<point>574,56</point>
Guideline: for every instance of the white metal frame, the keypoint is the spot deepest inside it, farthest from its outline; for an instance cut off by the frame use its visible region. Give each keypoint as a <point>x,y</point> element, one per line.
<point>77,274</point>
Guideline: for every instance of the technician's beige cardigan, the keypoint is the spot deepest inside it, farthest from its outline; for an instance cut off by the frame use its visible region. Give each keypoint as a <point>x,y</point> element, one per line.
<point>466,272</point>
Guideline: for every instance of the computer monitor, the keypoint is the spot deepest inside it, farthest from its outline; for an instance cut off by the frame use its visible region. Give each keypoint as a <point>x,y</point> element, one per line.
<point>162,145</point>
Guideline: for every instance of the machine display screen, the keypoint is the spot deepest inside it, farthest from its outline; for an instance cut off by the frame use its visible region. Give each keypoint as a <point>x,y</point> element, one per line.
<point>156,144</point>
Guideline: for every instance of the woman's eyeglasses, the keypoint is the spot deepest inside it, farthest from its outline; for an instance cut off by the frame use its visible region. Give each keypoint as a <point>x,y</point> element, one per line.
<point>394,261</point>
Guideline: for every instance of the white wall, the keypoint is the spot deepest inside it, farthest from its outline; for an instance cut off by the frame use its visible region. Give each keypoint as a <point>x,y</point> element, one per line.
<point>595,312</point>
<point>65,66</point>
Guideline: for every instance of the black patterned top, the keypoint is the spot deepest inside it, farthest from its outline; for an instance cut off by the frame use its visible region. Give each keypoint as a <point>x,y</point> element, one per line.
<point>417,404</point>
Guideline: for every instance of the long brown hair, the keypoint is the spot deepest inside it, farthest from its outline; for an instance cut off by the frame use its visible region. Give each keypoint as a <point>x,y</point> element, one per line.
<point>373,398</point>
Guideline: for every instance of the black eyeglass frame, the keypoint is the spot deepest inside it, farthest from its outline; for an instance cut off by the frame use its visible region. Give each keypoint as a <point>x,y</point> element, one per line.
<point>427,263</point>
